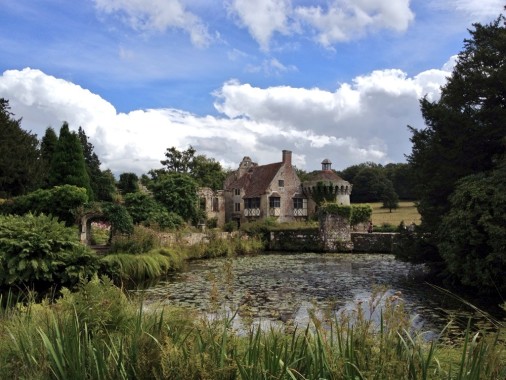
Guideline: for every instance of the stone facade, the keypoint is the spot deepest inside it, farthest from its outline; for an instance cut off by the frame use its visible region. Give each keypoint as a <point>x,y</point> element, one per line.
<point>254,192</point>
<point>213,203</point>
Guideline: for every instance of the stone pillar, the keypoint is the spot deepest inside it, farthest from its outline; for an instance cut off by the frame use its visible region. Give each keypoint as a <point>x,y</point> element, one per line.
<point>335,232</point>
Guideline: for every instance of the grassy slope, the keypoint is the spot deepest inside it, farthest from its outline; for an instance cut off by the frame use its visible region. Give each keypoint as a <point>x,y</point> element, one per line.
<point>406,211</point>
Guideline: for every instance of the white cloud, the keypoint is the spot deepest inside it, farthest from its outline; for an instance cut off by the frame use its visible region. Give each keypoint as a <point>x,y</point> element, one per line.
<point>476,10</point>
<point>157,15</point>
<point>270,67</point>
<point>339,20</point>
<point>344,19</point>
<point>362,121</point>
<point>262,18</point>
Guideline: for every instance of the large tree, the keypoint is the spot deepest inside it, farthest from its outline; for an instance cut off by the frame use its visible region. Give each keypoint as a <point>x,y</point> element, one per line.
<point>206,171</point>
<point>47,148</point>
<point>473,233</point>
<point>102,182</point>
<point>19,155</point>
<point>178,193</point>
<point>466,128</point>
<point>68,166</point>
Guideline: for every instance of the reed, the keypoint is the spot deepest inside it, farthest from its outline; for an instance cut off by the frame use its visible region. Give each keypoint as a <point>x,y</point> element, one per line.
<point>98,333</point>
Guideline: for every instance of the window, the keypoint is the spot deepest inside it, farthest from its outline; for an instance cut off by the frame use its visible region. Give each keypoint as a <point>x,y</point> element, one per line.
<point>237,191</point>
<point>216,205</point>
<point>252,203</point>
<point>281,183</point>
<point>237,207</point>
<point>202,204</point>
<point>298,203</point>
<point>274,202</point>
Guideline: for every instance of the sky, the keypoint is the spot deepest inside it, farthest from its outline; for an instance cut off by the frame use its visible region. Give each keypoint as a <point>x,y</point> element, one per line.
<point>336,79</point>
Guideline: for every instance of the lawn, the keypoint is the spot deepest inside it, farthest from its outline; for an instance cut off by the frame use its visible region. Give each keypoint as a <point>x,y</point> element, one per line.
<point>406,212</point>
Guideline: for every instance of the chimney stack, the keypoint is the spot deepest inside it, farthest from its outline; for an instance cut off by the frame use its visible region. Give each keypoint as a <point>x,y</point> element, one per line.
<point>287,157</point>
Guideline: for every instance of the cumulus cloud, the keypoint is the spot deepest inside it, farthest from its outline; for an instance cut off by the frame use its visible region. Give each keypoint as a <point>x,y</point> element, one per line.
<point>157,15</point>
<point>360,121</point>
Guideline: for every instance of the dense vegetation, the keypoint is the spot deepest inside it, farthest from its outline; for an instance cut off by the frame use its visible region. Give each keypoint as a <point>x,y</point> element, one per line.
<point>461,199</point>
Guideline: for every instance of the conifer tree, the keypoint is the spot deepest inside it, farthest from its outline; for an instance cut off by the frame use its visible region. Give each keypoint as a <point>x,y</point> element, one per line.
<point>68,166</point>
<point>19,155</point>
<point>47,149</point>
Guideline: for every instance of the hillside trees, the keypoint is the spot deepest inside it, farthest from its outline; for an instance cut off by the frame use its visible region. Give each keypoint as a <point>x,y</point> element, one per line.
<point>19,155</point>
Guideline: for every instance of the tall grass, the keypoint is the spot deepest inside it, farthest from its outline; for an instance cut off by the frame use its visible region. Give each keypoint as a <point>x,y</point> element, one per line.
<point>97,333</point>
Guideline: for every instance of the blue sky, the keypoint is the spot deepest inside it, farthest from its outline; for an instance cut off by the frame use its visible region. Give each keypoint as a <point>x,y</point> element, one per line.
<point>337,79</point>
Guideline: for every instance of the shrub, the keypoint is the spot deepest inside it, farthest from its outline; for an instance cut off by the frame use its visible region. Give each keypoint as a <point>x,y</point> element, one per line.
<point>230,226</point>
<point>40,251</point>
<point>59,201</point>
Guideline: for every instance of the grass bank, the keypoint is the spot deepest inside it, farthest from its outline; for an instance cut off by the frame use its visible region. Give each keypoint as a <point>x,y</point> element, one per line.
<point>406,212</point>
<point>97,333</point>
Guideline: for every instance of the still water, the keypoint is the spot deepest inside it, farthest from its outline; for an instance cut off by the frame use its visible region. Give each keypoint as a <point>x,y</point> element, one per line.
<point>285,287</point>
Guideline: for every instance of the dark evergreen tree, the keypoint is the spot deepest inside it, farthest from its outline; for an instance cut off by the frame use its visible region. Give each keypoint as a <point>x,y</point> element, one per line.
<point>466,128</point>
<point>47,149</point>
<point>128,183</point>
<point>68,166</point>
<point>101,182</point>
<point>19,155</point>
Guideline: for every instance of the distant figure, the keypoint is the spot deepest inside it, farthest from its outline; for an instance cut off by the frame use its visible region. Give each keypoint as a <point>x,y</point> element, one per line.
<point>369,229</point>
<point>411,227</point>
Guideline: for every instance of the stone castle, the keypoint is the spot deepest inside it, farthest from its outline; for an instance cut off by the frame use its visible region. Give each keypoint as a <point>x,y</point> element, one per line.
<point>255,192</point>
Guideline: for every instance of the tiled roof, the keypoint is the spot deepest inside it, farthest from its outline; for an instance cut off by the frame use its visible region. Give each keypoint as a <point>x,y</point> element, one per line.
<point>325,175</point>
<point>256,181</point>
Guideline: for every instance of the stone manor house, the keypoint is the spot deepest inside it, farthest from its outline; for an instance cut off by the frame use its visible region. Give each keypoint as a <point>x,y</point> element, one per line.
<point>254,192</point>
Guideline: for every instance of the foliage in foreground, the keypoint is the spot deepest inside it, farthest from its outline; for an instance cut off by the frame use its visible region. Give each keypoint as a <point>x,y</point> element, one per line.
<point>40,251</point>
<point>97,333</point>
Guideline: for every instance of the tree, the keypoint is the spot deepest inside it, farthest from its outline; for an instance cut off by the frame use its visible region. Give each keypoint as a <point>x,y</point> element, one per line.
<point>402,177</point>
<point>369,185</point>
<point>179,161</point>
<point>102,182</point>
<point>465,129</point>
<point>128,183</point>
<point>178,193</point>
<point>68,166</point>
<point>389,197</point>
<point>47,149</point>
<point>19,155</point>
<point>206,171</point>
<point>472,236</point>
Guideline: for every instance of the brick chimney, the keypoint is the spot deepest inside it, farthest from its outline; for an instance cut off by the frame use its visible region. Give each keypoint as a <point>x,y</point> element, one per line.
<point>287,157</point>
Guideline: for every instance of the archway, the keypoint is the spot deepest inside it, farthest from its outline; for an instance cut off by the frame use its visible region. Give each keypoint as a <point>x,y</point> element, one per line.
<point>86,234</point>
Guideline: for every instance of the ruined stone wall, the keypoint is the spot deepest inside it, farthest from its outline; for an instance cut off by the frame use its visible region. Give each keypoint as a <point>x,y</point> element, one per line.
<point>299,240</point>
<point>377,242</point>
<point>335,232</point>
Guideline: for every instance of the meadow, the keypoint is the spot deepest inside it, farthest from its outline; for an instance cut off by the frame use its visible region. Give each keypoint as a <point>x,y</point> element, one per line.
<point>406,212</point>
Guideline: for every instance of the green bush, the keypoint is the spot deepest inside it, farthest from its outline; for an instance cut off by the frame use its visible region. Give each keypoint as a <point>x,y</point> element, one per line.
<point>59,201</point>
<point>360,213</point>
<point>40,251</point>
<point>230,226</point>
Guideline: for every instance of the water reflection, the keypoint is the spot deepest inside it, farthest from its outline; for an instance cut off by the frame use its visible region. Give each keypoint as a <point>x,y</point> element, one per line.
<point>282,287</point>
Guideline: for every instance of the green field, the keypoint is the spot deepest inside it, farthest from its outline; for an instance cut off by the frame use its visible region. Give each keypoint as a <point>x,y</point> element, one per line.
<point>406,212</point>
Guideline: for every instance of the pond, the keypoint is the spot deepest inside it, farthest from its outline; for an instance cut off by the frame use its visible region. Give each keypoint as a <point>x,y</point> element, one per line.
<point>286,287</point>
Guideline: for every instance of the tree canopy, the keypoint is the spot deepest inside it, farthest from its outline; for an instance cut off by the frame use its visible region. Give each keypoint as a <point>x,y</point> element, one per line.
<point>68,166</point>
<point>458,163</point>
<point>19,155</point>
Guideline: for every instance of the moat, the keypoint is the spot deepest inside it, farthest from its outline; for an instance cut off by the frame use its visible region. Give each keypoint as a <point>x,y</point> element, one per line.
<point>285,287</point>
